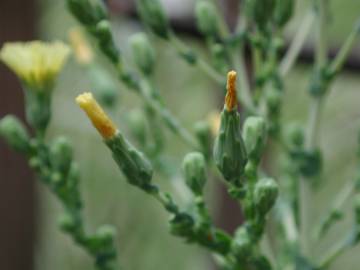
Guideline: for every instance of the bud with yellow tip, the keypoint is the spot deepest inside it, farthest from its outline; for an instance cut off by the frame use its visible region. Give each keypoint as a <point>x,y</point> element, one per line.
<point>133,163</point>
<point>229,150</point>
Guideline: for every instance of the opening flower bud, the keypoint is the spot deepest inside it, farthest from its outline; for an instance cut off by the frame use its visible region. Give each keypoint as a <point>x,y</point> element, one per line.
<point>142,53</point>
<point>194,172</point>
<point>265,195</point>
<point>153,15</point>
<point>61,155</point>
<point>134,164</point>
<point>254,134</point>
<point>207,19</point>
<point>229,149</point>
<point>14,133</point>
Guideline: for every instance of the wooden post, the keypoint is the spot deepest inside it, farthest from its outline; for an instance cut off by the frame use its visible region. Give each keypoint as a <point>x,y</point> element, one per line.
<point>16,185</point>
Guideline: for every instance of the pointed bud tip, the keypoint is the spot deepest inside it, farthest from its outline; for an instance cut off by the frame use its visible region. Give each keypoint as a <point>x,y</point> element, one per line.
<point>231,98</point>
<point>98,117</point>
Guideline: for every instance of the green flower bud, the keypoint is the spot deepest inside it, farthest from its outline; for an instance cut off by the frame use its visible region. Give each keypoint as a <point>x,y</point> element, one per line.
<point>88,13</point>
<point>207,19</point>
<point>67,223</point>
<point>106,234</point>
<point>182,225</point>
<point>203,133</point>
<point>194,171</point>
<point>294,135</point>
<point>254,134</point>
<point>105,88</point>
<point>142,53</point>
<point>242,245</point>
<point>153,15</point>
<point>137,124</point>
<point>14,133</point>
<point>135,166</point>
<point>260,11</point>
<point>229,149</point>
<point>61,155</point>
<point>283,11</point>
<point>106,42</point>
<point>265,195</point>
<point>357,209</point>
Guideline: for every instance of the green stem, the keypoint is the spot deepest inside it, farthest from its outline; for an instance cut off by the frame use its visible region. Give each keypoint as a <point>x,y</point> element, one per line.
<point>297,43</point>
<point>198,62</point>
<point>165,114</point>
<point>336,251</point>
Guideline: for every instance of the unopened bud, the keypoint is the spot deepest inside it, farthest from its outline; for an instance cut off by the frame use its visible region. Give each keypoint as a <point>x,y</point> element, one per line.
<point>242,244</point>
<point>135,166</point>
<point>229,149</point>
<point>207,19</point>
<point>194,171</point>
<point>265,195</point>
<point>153,15</point>
<point>106,234</point>
<point>67,223</point>
<point>106,42</point>
<point>203,133</point>
<point>294,135</point>
<point>61,155</point>
<point>254,134</point>
<point>283,11</point>
<point>88,13</point>
<point>15,134</point>
<point>260,11</point>
<point>142,53</point>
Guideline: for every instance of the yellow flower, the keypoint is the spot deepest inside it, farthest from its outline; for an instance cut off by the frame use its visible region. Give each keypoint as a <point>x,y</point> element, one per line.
<point>98,117</point>
<point>36,63</point>
<point>83,53</point>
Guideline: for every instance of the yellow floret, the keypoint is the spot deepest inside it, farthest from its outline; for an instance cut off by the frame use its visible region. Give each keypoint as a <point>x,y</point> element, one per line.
<point>231,97</point>
<point>98,117</point>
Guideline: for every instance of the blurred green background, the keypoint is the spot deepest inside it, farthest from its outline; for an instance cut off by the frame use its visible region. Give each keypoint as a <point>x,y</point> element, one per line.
<point>143,239</point>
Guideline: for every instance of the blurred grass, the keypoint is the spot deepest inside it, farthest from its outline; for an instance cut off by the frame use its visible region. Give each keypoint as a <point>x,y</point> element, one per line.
<point>143,240</point>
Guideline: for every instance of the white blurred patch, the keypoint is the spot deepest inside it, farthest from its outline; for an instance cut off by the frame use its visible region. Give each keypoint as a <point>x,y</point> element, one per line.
<point>178,8</point>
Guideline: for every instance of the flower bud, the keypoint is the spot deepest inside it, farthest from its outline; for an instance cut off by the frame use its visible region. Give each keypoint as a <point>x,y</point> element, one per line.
<point>136,120</point>
<point>105,234</point>
<point>265,195</point>
<point>203,133</point>
<point>61,155</point>
<point>88,13</point>
<point>207,19</point>
<point>15,134</point>
<point>142,53</point>
<point>229,149</point>
<point>254,134</point>
<point>242,245</point>
<point>135,166</point>
<point>260,11</point>
<point>105,89</point>
<point>283,11</point>
<point>194,171</point>
<point>294,135</point>
<point>106,42</point>
<point>153,15</point>
<point>133,163</point>
<point>67,223</point>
